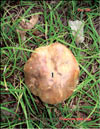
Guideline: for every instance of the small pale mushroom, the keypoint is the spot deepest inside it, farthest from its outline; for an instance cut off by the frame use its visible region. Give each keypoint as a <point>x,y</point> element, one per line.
<point>52,73</point>
<point>77,28</point>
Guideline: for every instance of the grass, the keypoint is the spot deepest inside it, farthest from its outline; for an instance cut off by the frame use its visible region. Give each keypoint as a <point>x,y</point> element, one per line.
<point>21,109</point>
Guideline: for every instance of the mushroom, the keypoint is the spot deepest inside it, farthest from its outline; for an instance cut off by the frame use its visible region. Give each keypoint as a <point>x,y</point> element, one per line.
<point>27,26</point>
<point>77,30</point>
<point>52,73</point>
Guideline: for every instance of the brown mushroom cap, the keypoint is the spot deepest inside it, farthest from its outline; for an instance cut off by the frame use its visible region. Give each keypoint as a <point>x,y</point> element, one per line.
<point>52,73</point>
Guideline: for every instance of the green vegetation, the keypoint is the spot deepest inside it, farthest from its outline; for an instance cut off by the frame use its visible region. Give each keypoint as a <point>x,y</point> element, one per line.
<point>20,108</point>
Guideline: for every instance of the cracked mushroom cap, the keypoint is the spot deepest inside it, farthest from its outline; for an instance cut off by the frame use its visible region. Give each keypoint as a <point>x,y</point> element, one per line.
<point>52,73</point>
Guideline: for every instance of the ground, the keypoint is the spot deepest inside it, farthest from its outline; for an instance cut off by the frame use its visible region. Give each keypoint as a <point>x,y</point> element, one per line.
<point>20,108</point>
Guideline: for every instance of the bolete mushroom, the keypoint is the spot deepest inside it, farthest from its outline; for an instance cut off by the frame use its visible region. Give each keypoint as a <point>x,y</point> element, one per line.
<point>52,73</point>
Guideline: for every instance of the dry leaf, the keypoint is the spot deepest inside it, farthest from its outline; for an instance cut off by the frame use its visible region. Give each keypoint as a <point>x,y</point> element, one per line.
<point>27,26</point>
